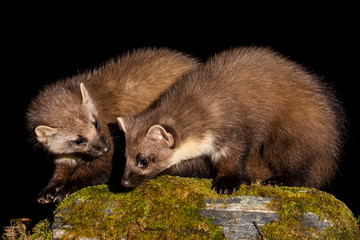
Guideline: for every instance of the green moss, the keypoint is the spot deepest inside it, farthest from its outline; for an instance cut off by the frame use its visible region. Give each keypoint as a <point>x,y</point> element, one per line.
<point>168,208</point>
<point>294,203</point>
<point>291,203</point>
<point>42,230</point>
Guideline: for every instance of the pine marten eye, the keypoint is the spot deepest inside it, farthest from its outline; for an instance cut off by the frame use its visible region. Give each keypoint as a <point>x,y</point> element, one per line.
<point>80,141</point>
<point>142,162</point>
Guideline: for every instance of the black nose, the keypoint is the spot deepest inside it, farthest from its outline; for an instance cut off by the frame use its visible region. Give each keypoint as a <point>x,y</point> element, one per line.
<point>125,183</point>
<point>101,145</point>
<point>105,150</point>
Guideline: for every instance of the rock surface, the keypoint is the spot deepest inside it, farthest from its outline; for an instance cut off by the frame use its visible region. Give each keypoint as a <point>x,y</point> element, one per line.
<point>238,215</point>
<point>185,208</point>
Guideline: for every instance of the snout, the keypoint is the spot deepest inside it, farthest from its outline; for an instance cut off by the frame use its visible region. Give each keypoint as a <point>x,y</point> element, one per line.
<point>105,149</point>
<point>101,146</point>
<point>132,179</point>
<point>126,183</point>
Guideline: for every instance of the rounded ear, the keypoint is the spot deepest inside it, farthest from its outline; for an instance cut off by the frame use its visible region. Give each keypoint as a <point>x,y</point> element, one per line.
<point>85,96</point>
<point>86,99</point>
<point>45,133</point>
<point>158,133</point>
<point>121,123</point>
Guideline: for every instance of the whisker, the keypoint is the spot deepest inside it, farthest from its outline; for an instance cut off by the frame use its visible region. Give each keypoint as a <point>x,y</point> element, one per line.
<point>116,137</point>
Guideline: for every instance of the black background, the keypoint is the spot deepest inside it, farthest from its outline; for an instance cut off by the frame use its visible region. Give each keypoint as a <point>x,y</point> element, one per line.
<point>41,46</point>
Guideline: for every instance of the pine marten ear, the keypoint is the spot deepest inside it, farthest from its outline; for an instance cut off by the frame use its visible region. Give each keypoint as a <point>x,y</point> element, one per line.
<point>158,133</point>
<point>122,124</point>
<point>86,99</point>
<point>44,133</point>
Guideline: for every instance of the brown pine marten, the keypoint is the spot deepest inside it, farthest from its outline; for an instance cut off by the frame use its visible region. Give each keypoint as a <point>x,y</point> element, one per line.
<point>244,106</point>
<point>71,118</point>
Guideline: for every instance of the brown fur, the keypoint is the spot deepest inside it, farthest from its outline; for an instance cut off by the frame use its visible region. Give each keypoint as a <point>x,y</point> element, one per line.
<point>75,124</point>
<point>245,109</point>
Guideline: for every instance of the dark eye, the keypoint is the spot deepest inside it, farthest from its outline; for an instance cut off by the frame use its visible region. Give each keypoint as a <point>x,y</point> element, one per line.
<point>80,141</point>
<point>142,162</point>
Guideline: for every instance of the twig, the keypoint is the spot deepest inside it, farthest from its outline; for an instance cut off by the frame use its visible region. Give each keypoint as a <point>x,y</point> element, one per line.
<point>257,228</point>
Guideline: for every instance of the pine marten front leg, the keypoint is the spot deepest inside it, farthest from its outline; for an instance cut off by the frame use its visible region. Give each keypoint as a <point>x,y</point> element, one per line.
<point>230,173</point>
<point>64,168</point>
<point>86,174</point>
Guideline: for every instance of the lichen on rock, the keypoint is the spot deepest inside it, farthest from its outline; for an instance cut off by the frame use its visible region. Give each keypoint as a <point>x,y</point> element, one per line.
<point>171,208</point>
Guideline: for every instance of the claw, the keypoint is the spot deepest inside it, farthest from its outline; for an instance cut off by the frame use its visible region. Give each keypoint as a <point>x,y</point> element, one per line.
<point>47,199</point>
<point>226,185</point>
<point>43,201</point>
<point>56,200</point>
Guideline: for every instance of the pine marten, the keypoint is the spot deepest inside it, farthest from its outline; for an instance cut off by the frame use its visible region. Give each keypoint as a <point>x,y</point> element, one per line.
<point>71,118</point>
<point>245,105</point>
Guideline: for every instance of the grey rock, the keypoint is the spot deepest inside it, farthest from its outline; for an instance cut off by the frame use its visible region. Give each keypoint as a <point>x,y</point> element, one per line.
<point>311,220</point>
<point>237,215</point>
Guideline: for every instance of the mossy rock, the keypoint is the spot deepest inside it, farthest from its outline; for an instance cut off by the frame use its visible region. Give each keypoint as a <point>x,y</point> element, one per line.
<point>178,208</point>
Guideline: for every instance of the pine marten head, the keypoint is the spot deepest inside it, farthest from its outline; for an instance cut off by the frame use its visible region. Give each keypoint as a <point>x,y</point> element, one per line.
<point>65,121</point>
<point>148,152</point>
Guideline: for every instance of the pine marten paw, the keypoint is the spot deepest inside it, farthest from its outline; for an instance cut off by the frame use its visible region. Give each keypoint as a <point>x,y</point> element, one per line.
<point>60,196</point>
<point>275,181</point>
<point>64,192</point>
<point>47,195</point>
<point>226,184</point>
